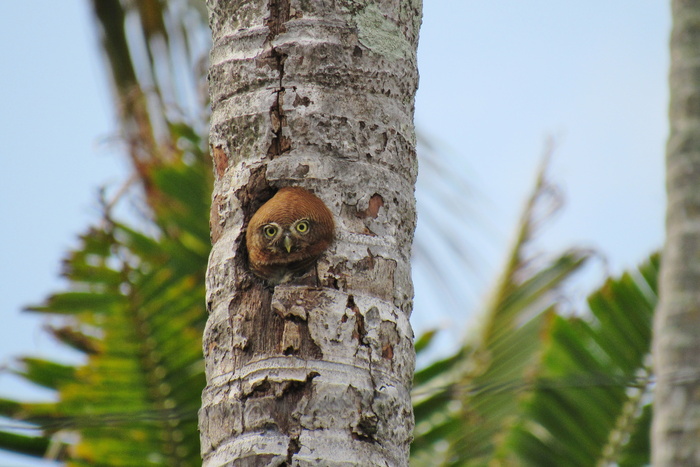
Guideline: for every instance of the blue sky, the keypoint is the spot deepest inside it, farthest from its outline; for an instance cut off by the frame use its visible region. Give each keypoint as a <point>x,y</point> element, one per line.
<point>496,79</point>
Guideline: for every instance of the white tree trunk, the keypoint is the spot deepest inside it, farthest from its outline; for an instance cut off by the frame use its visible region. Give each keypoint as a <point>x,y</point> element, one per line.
<point>316,94</point>
<point>676,426</point>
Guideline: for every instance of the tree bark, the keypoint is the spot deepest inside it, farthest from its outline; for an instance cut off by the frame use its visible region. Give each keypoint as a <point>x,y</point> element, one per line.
<point>319,95</point>
<point>676,425</point>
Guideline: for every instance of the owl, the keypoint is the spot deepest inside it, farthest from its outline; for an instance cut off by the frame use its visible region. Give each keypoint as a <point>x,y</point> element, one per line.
<point>288,234</point>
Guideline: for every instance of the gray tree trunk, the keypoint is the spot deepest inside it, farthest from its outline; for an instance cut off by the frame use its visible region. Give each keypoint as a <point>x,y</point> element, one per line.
<point>676,425</point>
<point>315,94</point>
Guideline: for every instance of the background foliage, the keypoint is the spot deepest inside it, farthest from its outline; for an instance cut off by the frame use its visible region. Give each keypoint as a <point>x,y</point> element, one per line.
<point>532,387</point>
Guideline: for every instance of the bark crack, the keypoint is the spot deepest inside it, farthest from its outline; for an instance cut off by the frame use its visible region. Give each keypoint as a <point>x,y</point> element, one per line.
<point>293,447</point>
<point>360,331</point>
<point>278,120</point>
<point>366,427</point>
<point>279,15</point>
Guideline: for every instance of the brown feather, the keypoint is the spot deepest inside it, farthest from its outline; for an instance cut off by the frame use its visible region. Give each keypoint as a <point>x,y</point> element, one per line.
<point>267,256</point>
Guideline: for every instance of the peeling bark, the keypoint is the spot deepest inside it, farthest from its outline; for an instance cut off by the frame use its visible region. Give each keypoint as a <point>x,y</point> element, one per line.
<point>319,95</point>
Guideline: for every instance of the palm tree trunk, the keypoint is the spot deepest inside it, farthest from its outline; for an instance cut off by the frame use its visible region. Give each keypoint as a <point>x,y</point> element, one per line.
<point>676,426</point>
<point>319,95</point>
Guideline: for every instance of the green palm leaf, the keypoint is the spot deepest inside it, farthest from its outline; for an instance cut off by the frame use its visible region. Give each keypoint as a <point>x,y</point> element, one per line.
<point>537,388</point>
<point>591,403</point>
<point>139,303</point>
<point>531,387</point>
<point>135,303</point>
<point>466,404</point>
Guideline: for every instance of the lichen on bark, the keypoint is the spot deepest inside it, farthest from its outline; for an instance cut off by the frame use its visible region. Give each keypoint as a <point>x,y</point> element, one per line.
<point>317,95</point>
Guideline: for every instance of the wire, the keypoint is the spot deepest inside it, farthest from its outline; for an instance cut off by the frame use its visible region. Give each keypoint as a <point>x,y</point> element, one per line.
<point>50,423</point>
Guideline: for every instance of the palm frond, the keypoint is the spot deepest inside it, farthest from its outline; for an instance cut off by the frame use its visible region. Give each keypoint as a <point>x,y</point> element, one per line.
<point>591,403</point>
<point>465,404</point>
<point>136,310</point>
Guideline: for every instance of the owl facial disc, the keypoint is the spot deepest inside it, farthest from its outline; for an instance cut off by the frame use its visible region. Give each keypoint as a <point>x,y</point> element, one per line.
<point>288,234</point>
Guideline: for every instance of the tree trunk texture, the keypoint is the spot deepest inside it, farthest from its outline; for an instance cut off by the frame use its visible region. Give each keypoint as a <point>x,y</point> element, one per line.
<point>676,425</point>
<point>315,94</point>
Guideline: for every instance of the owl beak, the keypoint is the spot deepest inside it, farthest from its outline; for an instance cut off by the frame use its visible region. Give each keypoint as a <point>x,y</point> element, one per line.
<point>288,243</point>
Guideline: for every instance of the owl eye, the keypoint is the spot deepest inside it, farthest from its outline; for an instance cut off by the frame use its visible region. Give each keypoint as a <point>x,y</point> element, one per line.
<point>270,231</point>
<point>302,227</point>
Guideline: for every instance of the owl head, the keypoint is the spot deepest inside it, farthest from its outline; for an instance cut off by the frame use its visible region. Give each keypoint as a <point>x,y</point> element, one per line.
<point>288,234</point>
